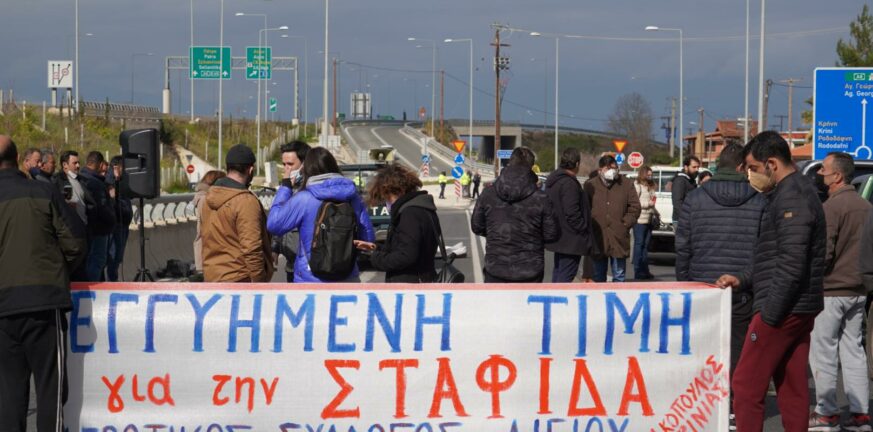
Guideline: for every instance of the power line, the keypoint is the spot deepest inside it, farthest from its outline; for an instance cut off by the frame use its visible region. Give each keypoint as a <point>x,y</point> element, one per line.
<point>823,31</point>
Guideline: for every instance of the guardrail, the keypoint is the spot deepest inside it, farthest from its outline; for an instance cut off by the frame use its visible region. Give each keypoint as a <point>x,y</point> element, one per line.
<point>178,209</point>
<point>436,147</point>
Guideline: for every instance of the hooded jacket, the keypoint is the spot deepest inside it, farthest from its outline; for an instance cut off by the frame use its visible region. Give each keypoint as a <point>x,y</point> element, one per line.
<point>408,254</point>
<point>683,184</point>
<point>299,211</point>
<point>573,213</point>
<point>41,242</point>
<point>788,267</point>
<point>615,209</point>
<point>517,220</point>
<point>718,224</point>
<point>236,246</point>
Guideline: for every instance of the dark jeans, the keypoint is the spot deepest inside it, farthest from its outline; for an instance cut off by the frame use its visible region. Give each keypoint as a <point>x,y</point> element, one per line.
<point>117,244</point>
<point>98,253</point>
<point>475,190</point>
<point>442,190</point>
<point>642,238</point>
<point>566,267</point>
<point>489,278</point>
<point>601,265</point>
<point>32,343</point>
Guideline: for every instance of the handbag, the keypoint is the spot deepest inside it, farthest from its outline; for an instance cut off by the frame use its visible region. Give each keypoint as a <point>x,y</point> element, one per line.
<point>655,220</point>
<point>445,271</point>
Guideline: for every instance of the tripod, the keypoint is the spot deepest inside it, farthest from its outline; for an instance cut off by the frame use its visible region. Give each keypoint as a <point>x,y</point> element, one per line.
<point>142,274</point>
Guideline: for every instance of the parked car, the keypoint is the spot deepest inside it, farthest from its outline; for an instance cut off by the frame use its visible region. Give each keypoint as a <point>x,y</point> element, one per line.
<point>863,170</point>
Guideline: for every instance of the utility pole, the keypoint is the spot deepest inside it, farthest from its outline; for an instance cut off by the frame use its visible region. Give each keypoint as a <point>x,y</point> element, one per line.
<point>791,82</point>
<point>781,121</point>
<point>499,64</point>
<point>763,123</point>
<point>672,127</point>
<point>333,121</point>
<point>701,136</point>
<point>442,100</point>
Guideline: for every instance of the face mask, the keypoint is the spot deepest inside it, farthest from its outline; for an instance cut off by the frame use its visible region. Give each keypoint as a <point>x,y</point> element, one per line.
<point>762,183</point>
<point>609,175</point>
<point>296,176</point>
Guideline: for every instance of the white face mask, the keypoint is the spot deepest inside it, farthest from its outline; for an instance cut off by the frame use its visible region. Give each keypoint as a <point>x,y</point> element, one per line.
<point>610,174</point>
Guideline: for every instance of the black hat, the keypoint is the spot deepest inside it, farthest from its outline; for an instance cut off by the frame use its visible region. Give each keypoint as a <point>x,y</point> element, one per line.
<point>240,154</point>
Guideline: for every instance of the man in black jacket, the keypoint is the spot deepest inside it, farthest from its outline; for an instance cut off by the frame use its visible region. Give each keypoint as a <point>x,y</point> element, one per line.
<point>787,274</point>
<point>101,217</point>
<point>683,183</point>
<point>41,241</point>
<point>573,213</point>
<point>718,222</point>
<point>124,216</point>
<point>517,220</point>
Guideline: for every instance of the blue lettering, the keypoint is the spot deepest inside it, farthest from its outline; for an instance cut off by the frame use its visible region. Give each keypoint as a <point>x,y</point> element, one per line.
<point>375,311</point>
<point>114,299</point>
<point>155,427</point>
<point>422,426</point>
<point>285,427</point>
<point>445,320</point>
<point>231,428</point>
<point>547,302</point>
<point>583,325</point>
<point>394,426</point>
<point>77,321</point>
<point>683,321</point>
<point>613,303</point>
<point>199,315</point>
<point>376,427</point>
<point>549,423</point>
<point>443,426</point>
<point>615,427</point>
<point>150,319</point>
<point>236,323</point>
<point>337,321</point>
<point>307,310</point>
<point>591,424</point>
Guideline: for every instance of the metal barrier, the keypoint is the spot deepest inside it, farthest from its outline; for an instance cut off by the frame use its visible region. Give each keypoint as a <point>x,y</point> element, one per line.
<point>436,147</point>
<point>178,209</point>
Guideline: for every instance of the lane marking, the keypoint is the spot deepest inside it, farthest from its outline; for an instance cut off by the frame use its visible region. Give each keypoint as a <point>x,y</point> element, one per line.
<point>474,245</point>
<point>396,151</point>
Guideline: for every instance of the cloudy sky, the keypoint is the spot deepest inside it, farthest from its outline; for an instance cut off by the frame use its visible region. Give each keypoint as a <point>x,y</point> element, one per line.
<point>594,72</point>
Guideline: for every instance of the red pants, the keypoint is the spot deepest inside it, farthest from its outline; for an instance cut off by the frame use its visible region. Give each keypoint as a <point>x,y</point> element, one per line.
<point>781,353</point>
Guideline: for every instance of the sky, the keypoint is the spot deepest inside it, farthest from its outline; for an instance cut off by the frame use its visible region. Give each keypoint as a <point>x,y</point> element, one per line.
<point>370,39</point>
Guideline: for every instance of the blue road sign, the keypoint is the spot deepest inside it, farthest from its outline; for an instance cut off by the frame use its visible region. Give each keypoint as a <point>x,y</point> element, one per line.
<point>619,158</point>
<point>841,99</point>
<point>504,154</point>
<point>459,159</point>
<point>457,172</point>
<point>425,158</point>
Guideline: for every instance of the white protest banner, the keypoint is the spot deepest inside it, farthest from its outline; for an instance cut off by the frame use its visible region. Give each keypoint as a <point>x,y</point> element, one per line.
<point>413,358</point>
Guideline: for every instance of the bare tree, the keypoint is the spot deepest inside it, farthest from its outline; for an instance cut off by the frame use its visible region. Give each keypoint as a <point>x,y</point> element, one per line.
<point>632,118</point>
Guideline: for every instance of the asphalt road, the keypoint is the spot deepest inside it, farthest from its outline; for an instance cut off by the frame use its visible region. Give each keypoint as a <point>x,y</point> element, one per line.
<point>407,150</point>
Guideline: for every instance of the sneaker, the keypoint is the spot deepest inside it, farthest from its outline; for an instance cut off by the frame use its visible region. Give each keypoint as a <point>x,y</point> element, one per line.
<point>820,423</point>
<point>732,422</point>
<point>858,423</point>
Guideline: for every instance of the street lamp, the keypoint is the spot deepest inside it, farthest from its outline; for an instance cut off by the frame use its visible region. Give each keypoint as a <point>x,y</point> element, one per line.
<point>557,87</point>
<point>133,69</point>
<point>258,116</point>
<point>221,87</point>
<point>681,87</point>
<point>470,134</point>
<point>324,102</point>
<point>266,99</point>
<point>305,77</point>
<point>432,85</point>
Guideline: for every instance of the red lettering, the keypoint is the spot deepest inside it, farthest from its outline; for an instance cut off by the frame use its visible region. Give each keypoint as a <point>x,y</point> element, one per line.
<point>250,404</point>
<point>445,389</point>
<point>136,396</point>
<point>331,411</point>
<point>716,366</point>
<point>164,382</point>
<point>495,386</point>
<point>220,380</point>
<point>545,384</point>
<point>400,366</point>
<point>635,378</point>
<point>269,391</point>
<point>114,402</point>
<point>581,373</point>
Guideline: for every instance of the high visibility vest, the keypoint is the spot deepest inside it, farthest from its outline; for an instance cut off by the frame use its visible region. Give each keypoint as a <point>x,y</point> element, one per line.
<point>443,179</point>
<point>465,180</point>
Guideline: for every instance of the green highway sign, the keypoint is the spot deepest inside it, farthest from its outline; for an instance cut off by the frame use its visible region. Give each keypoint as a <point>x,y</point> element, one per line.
<point>207,62</point>
<point>259,63</point>
<point>273,104</point>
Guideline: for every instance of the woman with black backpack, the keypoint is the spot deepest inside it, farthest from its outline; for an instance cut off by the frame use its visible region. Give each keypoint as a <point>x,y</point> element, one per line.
<point>413,236</point>
<point>330,216</point>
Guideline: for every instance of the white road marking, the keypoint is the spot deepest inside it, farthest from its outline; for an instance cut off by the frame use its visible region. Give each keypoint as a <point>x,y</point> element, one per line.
<point>396,153</point>
<point>474,245</point>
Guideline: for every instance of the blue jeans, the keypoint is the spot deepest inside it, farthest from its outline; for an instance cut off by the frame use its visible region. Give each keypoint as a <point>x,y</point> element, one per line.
<point>618,268</point>
<point>642,238</point>
<point>98,253</point>
<point>566,267</point>
<point>117,244</point>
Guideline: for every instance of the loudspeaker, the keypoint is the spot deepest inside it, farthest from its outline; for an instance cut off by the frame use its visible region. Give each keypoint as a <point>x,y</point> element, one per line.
<point>142,174</point>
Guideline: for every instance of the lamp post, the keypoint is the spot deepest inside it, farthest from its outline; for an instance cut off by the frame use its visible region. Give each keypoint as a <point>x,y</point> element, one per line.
<point>76,62</point>
<point>761,125</point>
<point>557,87</point>
<point>258,115</point>
<point>746,87</point>
<point>470,131</point>
<point>432,85</point>
<point>221,87</point>
<point>266,90</point>
<point>190,78</point>
<point>305,77</point>
<point>681,88</point>
<point>132,70</point>
<point>324,101</point>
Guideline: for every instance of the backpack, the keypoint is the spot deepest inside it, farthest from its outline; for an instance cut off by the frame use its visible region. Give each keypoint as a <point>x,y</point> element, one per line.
<point>332,253</point>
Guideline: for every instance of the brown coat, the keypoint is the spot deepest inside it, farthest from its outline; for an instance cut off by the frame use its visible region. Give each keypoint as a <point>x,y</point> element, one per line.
<point>236,245</point>
<point>845,214</point>
<point>614,211</point>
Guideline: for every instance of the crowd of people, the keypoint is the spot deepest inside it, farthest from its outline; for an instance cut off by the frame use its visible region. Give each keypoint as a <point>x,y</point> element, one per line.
<point>756,226</point>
